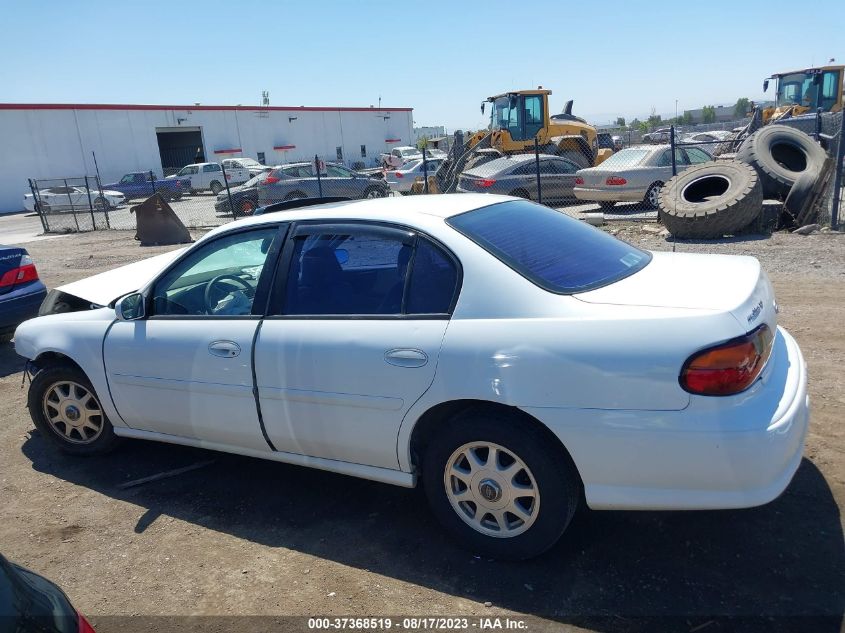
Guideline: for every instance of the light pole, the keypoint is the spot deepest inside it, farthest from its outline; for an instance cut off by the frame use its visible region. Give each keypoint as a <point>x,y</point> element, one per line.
<point>676,109</point>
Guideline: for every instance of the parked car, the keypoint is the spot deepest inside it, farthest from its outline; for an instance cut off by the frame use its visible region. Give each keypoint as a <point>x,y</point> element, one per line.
<point>513,359</point>
<point>142,184</point>
<point>618,143</point>
<point>660,135</point>
<point>402,179</point>
<point>605,141</point>
<point>636,174</point>
<point>29,603</point>
<point>72,198</point>
<point>398,156</point>
<point>516,175</point>
<point>710,141</point>
<point>209,177</point>
<point>21,291</point>
<point>250,164</point>
<point>299,180</point>
<point>244,197</point>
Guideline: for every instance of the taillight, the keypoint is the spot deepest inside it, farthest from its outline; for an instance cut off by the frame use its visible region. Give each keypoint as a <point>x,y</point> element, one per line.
<point>269,180</point>
<point>579,180</point>
<point>399,174</point>
<point>83,625</point>
<point>730,367</point>
<point>485,182</point>
<point>615,180</point>
<point>22,274</point>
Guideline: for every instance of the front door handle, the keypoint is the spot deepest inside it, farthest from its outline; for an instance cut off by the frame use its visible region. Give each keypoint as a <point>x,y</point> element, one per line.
<point>224,349</point>
<point>404,357</point>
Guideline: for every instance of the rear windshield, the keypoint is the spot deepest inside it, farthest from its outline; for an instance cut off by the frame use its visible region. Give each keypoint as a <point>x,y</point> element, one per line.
<point>626,158</point>
<point>554,251</point>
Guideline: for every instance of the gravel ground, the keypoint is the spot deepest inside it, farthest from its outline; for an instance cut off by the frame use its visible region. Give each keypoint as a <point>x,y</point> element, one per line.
<point>248,537</point>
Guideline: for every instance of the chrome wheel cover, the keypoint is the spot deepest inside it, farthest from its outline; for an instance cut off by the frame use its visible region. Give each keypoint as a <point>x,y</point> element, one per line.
<point>491,489</point>
<point>73,412</point>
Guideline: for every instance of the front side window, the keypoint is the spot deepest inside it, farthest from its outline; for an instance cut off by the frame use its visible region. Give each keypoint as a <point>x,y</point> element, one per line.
<point>830,89</point>
<point>368,274</point>
<point>550,249</point>
<point>217,279</point>
<point>336,171</point>
<point>127,179</point>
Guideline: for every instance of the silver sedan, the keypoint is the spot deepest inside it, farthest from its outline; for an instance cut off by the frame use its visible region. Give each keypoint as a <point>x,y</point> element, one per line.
<point>635,174</point>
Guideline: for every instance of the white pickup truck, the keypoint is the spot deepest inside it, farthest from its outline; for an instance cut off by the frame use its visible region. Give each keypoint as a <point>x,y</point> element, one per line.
<point>398,156</point>
<point>209,177</point>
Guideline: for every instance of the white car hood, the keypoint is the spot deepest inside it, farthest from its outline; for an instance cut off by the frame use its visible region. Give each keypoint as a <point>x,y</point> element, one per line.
<point>105,287</point>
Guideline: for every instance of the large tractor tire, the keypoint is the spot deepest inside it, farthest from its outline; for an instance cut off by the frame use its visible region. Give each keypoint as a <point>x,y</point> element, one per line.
<point>780,154</point>
<point>710,200</point>
<point>799,196</point>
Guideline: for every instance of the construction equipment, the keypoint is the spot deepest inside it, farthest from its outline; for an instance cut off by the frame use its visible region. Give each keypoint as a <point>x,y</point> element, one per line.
<point>516,120</point>
<point>802,91</point>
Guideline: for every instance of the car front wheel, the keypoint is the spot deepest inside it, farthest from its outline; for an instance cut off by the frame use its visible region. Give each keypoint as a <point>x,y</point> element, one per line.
<point>67,412</point>
<point>499,486</point>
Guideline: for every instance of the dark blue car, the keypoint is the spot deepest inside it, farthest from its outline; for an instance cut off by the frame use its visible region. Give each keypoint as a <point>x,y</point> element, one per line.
<point>140,184</point>
<point>21,292</point>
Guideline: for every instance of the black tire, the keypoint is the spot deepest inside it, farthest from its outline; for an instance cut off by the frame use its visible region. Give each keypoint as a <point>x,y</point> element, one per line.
<point>555,479</point>
<point>374,192</point>
<point>520,193</point>
<point>248,207</point>
<point>576,157</point>
<point>799,195</point>
<point>101,204</point>
<point>710,200</point>
<point>215,187</point>
<point>294,195</point>
<point>165,195</point>
<point>193,192</point>
<point>606,205</point>
<point>652,196</point>
<point>177,196</point>
<point>780,154</point>
<point>104,441</point>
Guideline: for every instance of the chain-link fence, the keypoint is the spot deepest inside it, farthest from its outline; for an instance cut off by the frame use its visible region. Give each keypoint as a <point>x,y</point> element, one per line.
<point>671,180</point>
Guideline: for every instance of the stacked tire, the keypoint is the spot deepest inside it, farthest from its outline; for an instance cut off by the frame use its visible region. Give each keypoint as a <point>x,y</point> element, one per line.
<point>722,197</point>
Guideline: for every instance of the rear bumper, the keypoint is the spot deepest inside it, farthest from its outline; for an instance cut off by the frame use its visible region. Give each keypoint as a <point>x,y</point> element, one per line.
<point>609,195</point>
<point>18,306</point>
<point>718,453</point>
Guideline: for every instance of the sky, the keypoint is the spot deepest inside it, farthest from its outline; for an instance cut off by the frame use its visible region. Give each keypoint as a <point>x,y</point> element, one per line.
<point>440,58</point>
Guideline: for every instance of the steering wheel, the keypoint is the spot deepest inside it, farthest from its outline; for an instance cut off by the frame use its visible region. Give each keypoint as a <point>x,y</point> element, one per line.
<point>210,285</point>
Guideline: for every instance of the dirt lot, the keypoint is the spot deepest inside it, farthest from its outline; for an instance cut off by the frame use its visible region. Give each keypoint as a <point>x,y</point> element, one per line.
<point>248,537</point>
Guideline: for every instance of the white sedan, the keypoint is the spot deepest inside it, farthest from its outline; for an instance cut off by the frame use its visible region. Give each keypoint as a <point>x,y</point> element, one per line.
<point>72,199</point>
<point>403,179</point>
<point>509,358</point>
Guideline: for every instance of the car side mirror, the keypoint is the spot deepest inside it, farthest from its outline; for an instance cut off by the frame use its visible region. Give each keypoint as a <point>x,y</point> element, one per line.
<point>130,307</point>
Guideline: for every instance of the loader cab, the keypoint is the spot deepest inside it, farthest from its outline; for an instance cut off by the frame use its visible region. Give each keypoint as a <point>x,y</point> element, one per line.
<point>809,89</point>
<point>521,114</point>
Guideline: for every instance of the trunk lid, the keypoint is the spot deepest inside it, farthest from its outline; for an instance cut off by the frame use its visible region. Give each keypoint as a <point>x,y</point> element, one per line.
<point>721,283</point>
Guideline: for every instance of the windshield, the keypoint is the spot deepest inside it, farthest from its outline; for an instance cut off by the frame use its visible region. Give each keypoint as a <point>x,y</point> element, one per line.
<point>500,114</point>
<point>411,166</point>
<point>552,250</point>
<point>625,158</point>
<point>409,152</point>
<point>799,89</point>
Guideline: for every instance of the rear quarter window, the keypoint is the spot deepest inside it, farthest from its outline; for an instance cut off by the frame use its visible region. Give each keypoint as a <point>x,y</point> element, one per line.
<point>552,250</point>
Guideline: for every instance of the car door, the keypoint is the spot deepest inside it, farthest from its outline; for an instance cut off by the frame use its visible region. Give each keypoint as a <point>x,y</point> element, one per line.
<point>352,338</point>
<point>186,368</point>
<point>561,180</point>
<point>339,181</point>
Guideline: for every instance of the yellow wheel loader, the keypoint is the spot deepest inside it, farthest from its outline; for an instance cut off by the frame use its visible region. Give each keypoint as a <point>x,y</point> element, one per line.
<point>516,119</point>
<point>805,91</point>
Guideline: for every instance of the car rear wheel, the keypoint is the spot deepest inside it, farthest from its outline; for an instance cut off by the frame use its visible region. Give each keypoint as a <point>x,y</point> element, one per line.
<point>66,411</point>
<point>101,204</point>
<point>652,196</point>
<point>375,192</point>
<point>498,486</point>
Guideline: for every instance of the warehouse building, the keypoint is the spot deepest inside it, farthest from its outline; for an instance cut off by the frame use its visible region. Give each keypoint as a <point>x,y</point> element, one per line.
<point>46,141</point>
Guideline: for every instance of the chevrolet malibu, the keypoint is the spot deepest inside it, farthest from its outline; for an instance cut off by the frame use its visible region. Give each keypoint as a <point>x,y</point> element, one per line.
<point>510,359</point>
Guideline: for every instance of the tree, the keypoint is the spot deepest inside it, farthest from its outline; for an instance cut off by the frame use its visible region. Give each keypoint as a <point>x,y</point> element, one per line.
<point>742,107</point>
<point>654,120</point>
<point>635,124</point>
<point>620,121</point>
<point>708,114</point>
<point>687,118</point>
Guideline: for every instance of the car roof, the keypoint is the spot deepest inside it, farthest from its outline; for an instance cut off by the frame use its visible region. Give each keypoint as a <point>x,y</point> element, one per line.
<point>499,164</point>
<point>390,209</point>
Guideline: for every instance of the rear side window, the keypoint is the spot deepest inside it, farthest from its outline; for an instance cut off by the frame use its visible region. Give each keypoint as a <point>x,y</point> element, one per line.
<point>552,250</point>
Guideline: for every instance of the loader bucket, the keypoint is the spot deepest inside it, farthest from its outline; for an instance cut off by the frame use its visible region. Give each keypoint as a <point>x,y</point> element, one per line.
<point>157,224</point>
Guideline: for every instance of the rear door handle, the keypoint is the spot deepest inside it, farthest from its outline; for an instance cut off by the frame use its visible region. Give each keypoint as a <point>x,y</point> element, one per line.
<point>224,349</point>
<point>405,357</point>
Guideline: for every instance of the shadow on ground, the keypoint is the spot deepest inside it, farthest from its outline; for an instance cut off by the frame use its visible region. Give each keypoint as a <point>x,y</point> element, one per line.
<point>10,362</point>
<point>613,571</point>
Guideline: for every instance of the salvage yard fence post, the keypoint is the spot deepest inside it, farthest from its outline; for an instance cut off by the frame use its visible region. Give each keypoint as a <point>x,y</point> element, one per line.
<point>537,170</point>
<point>672,149</point>
<point>319,178</point>
<point>37,206</point>
<point>837,175</point>
<point>228,191</point>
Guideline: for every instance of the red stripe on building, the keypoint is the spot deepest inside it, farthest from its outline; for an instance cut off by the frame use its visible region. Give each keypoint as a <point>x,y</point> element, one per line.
<point>284,147</point>
<point>117,106</point>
